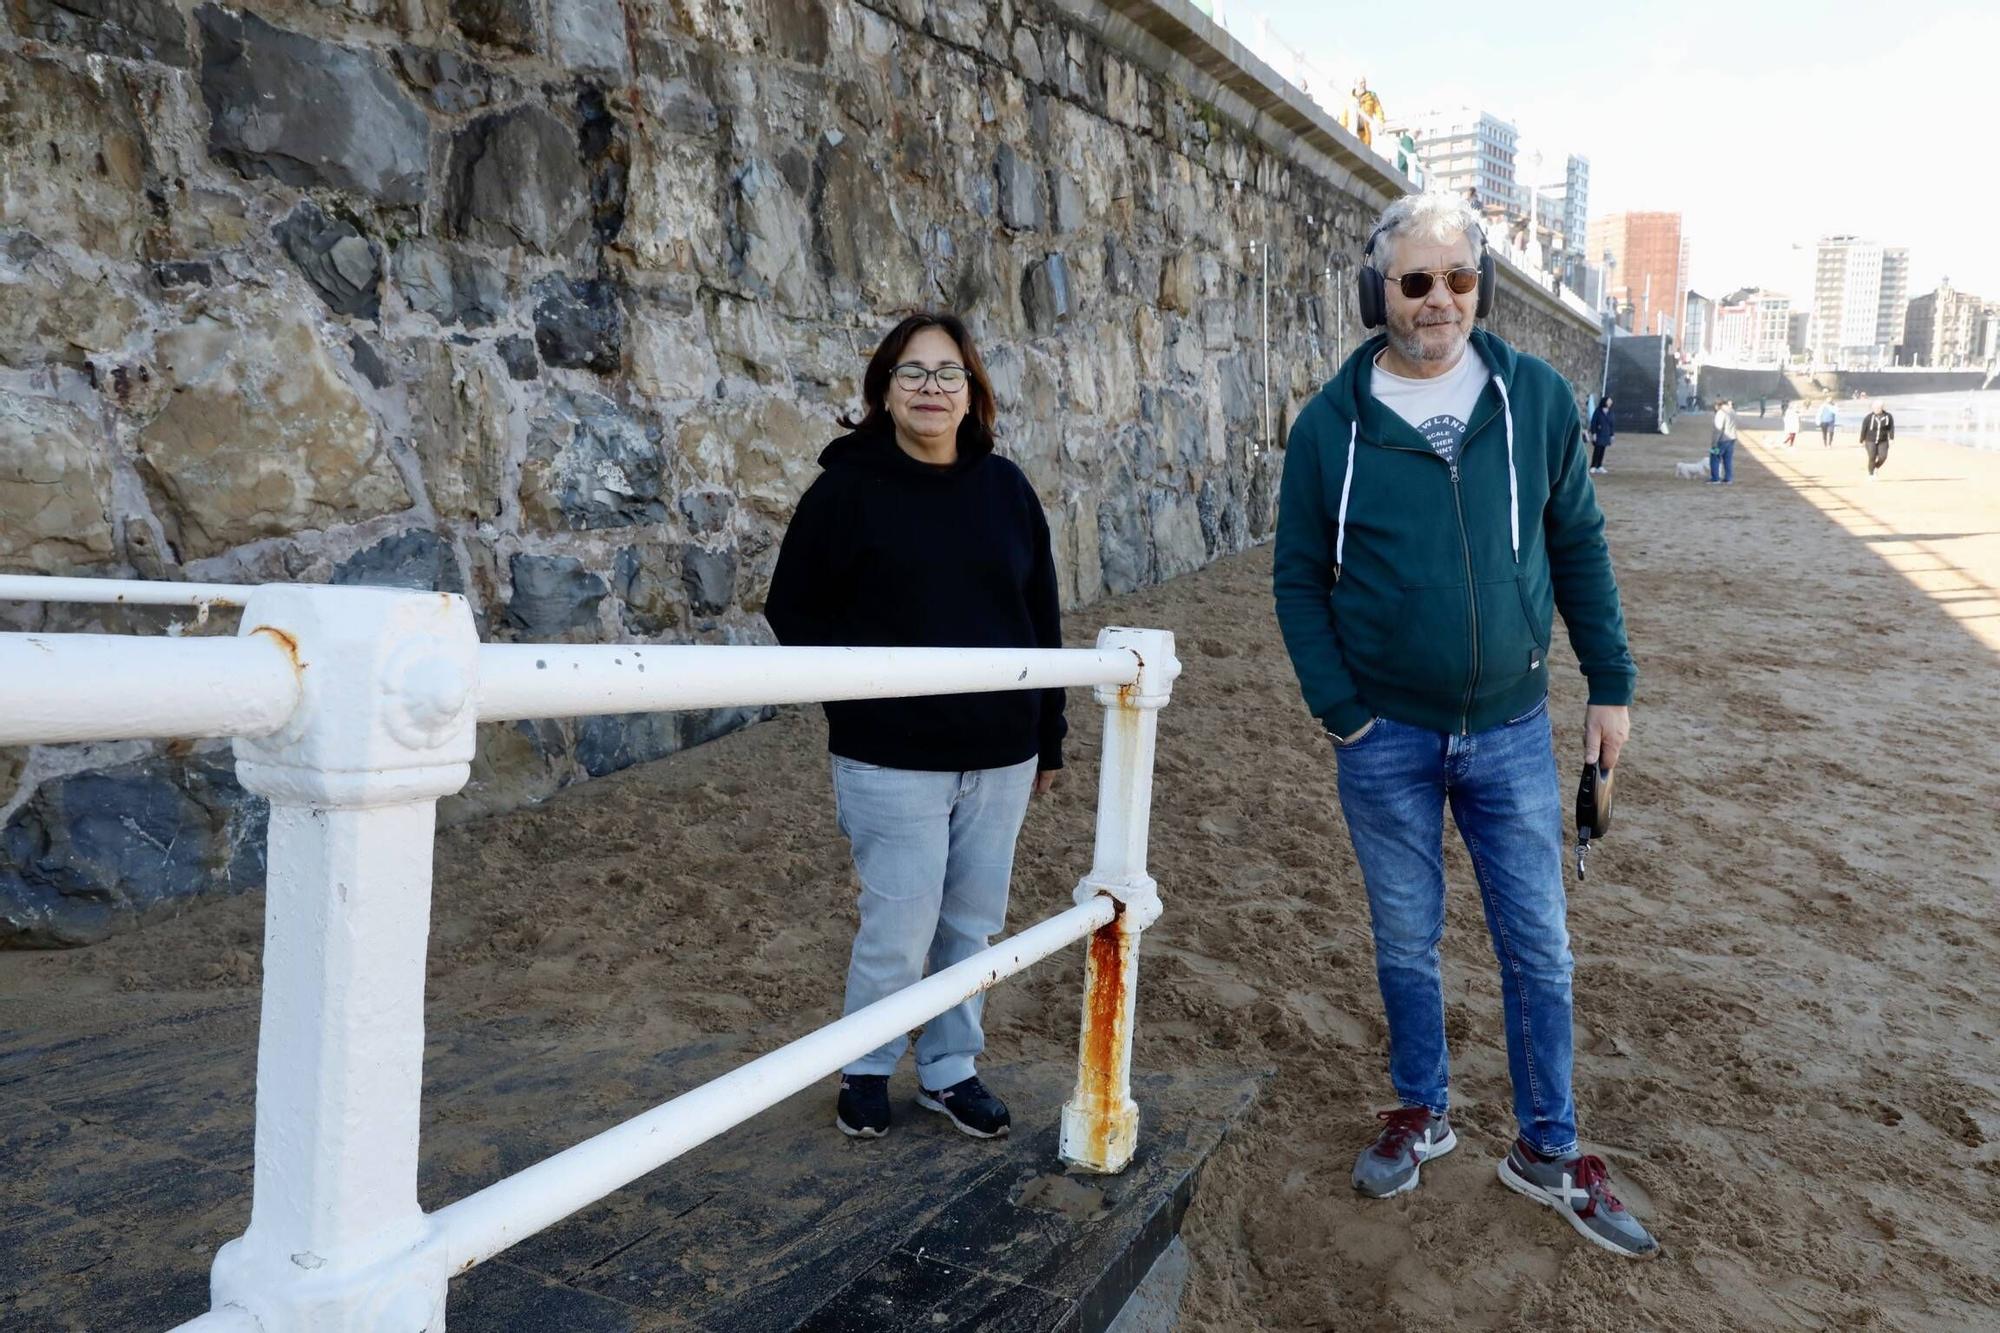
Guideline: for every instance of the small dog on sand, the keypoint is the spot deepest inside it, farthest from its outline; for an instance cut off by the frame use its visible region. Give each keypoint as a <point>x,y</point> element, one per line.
<point>1696,471</point>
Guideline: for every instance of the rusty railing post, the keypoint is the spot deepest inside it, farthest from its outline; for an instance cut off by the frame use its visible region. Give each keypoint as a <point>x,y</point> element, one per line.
<point>1100,1123</point>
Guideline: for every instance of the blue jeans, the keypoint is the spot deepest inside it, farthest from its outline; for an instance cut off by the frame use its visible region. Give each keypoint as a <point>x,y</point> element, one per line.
<point>935,853</point>
<point>1722,463</point>
<point>1394,782</point>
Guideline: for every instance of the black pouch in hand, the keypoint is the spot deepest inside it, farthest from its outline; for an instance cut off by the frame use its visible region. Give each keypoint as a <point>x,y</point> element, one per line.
<point>1593,810</point>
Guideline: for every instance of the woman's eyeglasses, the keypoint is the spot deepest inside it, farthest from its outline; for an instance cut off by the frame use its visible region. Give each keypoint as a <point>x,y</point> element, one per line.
<point>1416,286</point>
<point>913,377</point>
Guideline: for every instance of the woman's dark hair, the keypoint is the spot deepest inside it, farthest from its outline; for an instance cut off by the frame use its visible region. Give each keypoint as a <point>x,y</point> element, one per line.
<point>975,433</point>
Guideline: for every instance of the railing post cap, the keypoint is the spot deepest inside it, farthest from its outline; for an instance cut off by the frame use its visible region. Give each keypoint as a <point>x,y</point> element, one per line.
<point>1158,667</point>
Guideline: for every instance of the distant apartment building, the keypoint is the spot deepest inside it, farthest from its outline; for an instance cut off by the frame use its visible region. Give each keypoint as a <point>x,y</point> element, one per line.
<point>1463,151</point>
<point>1798,342</point>
<point>1697,326</point>
<point>1646,267</point>
<point>1554,190</point>
<point>1753,328</point>
<point>1947,328</point>
<point>1860,301</point>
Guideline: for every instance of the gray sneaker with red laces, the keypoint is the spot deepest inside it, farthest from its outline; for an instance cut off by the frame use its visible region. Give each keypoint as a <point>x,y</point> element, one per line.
<point>1410,1137</point>
<point>1579,1189</point>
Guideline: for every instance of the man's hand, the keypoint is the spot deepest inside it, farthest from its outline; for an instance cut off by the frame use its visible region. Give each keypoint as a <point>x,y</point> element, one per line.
<point>1605,730</point>
<point>1044,779</point>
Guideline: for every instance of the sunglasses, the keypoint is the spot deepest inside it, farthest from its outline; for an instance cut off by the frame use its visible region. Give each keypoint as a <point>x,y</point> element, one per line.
<point>1416,286</point>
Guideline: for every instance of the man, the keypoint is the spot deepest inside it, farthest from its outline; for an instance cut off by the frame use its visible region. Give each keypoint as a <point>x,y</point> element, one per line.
<point>1434,512</point>
<point>1601,430</point>
<point>1722,454</point>
<point>1877,429</point>
<point>1827,416</point>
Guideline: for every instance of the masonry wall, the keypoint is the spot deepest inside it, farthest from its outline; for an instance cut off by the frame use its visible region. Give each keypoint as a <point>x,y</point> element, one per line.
<point>554,302</point>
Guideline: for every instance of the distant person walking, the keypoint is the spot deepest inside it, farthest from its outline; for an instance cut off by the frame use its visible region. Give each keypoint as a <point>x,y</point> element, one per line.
<point>1791,426</point>
<point>1722,454</point>
<point>1601,431</point>
<point>1877,429</point>
<point>1827,416</point>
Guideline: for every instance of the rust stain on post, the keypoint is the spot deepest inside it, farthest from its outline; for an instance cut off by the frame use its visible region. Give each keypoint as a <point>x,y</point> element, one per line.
<point>1104,1035</point>
<point>288,643</point>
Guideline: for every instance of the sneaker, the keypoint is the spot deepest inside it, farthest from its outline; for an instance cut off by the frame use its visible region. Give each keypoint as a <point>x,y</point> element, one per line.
<point>863,1109</point>
<point>1579,1189</point>
<point>969,1106</point>
<point>1409,1138</point>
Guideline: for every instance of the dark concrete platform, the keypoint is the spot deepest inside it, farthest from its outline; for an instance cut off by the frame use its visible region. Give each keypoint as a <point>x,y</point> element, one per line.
<point>125,1158</point>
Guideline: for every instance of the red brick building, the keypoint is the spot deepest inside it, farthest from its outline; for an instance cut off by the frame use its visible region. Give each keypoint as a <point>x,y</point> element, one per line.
<point>1647,267</point>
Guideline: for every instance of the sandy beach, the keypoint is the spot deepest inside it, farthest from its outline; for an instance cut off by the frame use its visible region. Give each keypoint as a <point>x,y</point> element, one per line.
<point>1786,1002</point>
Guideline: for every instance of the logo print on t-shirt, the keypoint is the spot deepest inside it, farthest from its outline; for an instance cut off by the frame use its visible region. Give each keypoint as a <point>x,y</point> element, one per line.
<point>1444,432</point>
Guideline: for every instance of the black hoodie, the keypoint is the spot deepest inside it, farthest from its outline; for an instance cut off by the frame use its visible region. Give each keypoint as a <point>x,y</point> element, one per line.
<point>889,551</point>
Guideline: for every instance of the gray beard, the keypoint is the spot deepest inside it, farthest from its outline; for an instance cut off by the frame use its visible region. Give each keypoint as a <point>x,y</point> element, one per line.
<point>1411,347</point>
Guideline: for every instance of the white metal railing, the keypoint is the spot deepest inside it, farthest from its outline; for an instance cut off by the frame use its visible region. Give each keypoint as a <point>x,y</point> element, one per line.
<point>352,711</point>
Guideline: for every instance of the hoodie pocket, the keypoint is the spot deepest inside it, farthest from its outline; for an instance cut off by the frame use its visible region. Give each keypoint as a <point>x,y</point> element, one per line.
<point>1428,651</point>
<point>1510,645</point>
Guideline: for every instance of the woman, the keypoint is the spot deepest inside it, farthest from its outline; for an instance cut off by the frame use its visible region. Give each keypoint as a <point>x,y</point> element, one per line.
<point>1791,426</point>
<point>1602,428</point>
<point>918,534</point>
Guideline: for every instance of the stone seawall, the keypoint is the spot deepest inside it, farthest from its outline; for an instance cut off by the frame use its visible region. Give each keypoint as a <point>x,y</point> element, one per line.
<point>1716,382</point>
<point>554,302</point>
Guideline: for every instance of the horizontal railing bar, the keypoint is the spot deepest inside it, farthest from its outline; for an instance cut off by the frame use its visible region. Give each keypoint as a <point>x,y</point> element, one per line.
<point>481,1225</point>
<point>116,687</point>
<point>560,680</point>
<point>127,592</point>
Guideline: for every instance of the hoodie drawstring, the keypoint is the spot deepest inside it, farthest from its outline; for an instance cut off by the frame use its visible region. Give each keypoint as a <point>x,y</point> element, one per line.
<point>1513,485</point>
<point>1346,486</point>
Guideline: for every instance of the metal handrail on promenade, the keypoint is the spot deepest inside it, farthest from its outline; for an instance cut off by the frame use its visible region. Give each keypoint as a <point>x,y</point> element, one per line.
<point>352,710</point>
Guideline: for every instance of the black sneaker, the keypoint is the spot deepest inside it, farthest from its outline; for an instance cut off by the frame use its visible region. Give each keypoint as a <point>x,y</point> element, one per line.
<point>863,1110</point>
<point>971,1107</point>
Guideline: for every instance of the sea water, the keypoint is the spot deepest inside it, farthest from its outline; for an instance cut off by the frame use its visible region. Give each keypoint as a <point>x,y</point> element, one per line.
<point>1967,417</point>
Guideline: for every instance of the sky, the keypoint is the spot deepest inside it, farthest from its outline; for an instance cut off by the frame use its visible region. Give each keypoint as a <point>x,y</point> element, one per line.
<point>1765,123</point>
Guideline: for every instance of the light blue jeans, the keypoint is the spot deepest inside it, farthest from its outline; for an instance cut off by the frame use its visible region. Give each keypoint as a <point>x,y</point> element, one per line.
<point>1502,787</point>
<point>935,853</point>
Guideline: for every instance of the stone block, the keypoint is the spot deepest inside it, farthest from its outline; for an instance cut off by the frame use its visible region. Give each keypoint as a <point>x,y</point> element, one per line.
<point>1179,284</point>
<point>55,487</point>
<point>518,355</point>
<point>709,576</point>
<point>588,37</point>
<point>57,308</point>
<point>515,764</point>
<point>580,323</point>
<point>342,265</point>
<point>767,453</point>
<point>87,853</point>
<point>1046,301</point>
<point>307,112</point>
<point>459,428</point>
<point>454,84</point>
<point>1178,545</point>
<point>1123,550</point>
<point>615,741</point>
<point>74,154</point>
<point>508,24</point>
<point>553,594</point>
<point>1020,190</point>
<point>650,596</point>
<point>260,436</point>
<point>770,237</point>
<point>863,248</point>
<point>1068,208</point>
<point>517,178</point>
<point>669,351</point>
<point>798,30</point>
<point>418,559</point>
<point>707,509</point>
<point>590,465</point>
<point>132,29</point>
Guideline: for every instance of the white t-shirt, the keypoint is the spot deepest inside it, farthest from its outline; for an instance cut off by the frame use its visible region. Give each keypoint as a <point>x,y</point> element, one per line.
<point>1440,408</point>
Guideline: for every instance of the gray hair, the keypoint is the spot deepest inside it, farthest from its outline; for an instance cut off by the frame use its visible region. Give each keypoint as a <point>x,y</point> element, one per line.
<point>1436,218</point>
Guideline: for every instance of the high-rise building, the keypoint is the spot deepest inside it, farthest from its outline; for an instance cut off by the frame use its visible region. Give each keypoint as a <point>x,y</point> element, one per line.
<point>1753,328</point>
<point>1466,150</point>
<point>1860,300</point>
<point>1946,328</point>
<point>1555,191</point>
<point>1697,326</point>
<point>1647,266</point>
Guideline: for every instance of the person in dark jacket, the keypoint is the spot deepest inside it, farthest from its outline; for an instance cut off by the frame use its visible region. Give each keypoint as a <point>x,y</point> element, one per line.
<point>1434,514</point>
<point>1877,429</point>
<point>917,534</point>
<point>1601,431</point>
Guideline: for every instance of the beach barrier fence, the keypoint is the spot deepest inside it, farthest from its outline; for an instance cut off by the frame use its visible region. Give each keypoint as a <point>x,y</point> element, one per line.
<point>352,711</point>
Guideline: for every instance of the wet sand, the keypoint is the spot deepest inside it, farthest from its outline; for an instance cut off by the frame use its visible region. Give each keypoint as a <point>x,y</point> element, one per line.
<point>1786,1003</point>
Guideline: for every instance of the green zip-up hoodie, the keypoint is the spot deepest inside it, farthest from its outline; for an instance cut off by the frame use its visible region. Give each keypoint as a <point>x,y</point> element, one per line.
<point>1423,591</point>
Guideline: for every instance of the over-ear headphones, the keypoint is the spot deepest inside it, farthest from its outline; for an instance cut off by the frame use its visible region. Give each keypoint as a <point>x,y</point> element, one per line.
<point>1371,299</point>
